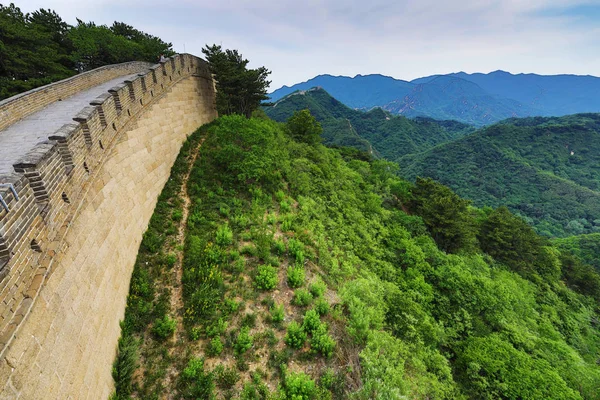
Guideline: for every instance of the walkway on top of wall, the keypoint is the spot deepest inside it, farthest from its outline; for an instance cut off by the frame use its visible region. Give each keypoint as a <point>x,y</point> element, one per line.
<point>19,138</point>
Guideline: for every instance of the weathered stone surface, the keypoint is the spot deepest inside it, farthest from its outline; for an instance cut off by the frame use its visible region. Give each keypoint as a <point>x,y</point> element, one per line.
<point>60,308</point>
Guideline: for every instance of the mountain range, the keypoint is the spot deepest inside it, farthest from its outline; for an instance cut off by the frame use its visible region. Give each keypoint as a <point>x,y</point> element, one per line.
<point>477,99</point>
<point>546,169</point>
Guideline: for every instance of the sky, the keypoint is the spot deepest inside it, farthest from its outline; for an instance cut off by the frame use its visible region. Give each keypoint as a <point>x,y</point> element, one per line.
<point>298,40</point>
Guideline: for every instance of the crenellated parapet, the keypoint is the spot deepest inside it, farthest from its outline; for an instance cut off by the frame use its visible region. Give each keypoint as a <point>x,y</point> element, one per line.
<point>41,197</point>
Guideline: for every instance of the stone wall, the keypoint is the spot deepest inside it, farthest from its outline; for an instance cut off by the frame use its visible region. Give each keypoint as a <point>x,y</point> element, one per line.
<point>24,104</point>
<point>68,244</point>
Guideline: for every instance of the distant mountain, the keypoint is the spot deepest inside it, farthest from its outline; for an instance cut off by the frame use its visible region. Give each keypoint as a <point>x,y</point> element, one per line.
<point>375,131</point>
<point>554,95</point>
<point>363,92</point>
<point>546,169</point>
<point>478,99</point>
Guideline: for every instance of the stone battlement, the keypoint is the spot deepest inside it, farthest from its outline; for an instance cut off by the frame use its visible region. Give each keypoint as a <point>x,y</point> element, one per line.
<point>49,186</point>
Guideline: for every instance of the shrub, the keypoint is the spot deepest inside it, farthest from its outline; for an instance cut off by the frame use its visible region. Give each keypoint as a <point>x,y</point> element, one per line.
<point>279,195</point>
<point>125,365</point>
<point>321,306</point>
<point>296,249</point>
<point>317,288</point>
<point>284,206</point>
<point>214,347</point>
<point>271,219</point>
<point>177,215</point>
<point>295,276</point>
<point>299,387</point>
<point>164,327</point>
<point>321,342</point>
<point>287,221</point>
<point>311,321</point>
<point>197,384</point>
<point>224,235</point>
<point>302,298</point>
<point>217,328</point>
<point>243,342</point>
<point>226,377</point>
<point>295,335</point>
<point>279,247</point>
<point>170,260</point>
<point>249,250</point>
<point>277,313</point>
<point>249,320</point>
<point>266,277</point>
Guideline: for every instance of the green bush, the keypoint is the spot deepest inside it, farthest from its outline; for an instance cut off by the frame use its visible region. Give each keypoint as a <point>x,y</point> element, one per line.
<point>266,277</point>
<point>224,235</point>
<point>284,206</point>
<point>321,306</point>
<point>170,260</point>
<point>317,288</point>
<point>217,328</point>
<point>295,276</point>
<point>125,365</point>
<point>296,249</point>
<point>287,222</point>
<point>249,320</point>
<point>164,327</point>
<point>302,298</point>
<point>279,247</point>
<point>226,377</point>
<point>295,335</point>
<point>197,384</point>
<point>321,342</point>
<point>243,342</point>
<point>311,321</point>
<point>279,195</point>
<point>214,347</point>
<point>299,387</point>
<point>277,313</point>
<point>177,215</point>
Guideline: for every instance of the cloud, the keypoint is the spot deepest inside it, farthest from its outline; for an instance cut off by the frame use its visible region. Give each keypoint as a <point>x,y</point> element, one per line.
<point>404,39</point>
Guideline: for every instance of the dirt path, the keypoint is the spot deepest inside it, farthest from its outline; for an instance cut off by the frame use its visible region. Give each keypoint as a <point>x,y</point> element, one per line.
<point>175,286</point>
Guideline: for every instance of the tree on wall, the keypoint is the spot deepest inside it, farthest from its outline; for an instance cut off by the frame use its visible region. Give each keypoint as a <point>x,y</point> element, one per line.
<point>239,90</point>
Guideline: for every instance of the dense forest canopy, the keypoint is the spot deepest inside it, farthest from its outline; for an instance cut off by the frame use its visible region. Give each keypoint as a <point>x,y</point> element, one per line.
<point>545,169</point>
<point>39,48</point>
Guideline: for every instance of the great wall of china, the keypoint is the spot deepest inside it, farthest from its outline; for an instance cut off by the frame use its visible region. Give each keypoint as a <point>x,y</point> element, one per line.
<point>76,197</point>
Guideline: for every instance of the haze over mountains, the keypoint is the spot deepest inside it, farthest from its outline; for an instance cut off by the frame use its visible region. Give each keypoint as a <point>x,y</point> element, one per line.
<point>477,99</point>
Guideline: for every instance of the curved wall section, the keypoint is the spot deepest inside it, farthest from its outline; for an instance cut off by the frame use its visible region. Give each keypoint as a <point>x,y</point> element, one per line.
<point>69,242</point>
<point>24,104</point>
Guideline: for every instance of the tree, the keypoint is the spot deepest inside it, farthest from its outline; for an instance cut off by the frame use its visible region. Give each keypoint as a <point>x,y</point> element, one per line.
<point>446,215</point>
<point>509,239</point>
<point>303,127</point>
<point>31,50</point>
<point>239,90</point>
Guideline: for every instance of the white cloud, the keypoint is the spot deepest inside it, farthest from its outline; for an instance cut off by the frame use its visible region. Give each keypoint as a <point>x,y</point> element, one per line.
<point>404,39</point>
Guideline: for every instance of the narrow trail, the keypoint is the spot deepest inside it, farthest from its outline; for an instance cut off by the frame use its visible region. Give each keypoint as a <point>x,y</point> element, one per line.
<point>175,285</point>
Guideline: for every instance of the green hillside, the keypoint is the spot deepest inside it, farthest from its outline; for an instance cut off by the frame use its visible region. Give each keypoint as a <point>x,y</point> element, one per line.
<point>546,169</point>
<point>275,269</point>
<point>584,247</point>
<point>375,131</point>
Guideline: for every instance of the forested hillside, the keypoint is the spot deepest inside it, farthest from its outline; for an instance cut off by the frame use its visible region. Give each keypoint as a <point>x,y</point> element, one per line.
<point>376,131</point>
<point>39,48</point>
<point>276,268</point>
<point>546,169</point>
